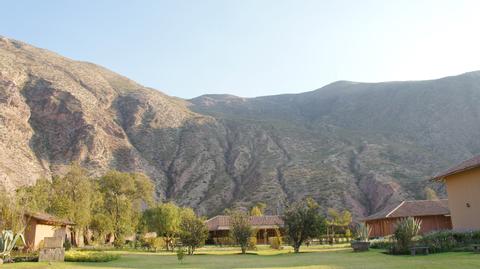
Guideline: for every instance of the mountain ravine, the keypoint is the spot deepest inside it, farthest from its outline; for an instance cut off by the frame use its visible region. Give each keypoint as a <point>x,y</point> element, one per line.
<point>359,146</point>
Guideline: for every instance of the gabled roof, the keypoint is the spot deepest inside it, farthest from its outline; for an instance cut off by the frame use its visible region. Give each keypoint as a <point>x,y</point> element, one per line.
<point>414,208</point>
<point>223,222</point>
<point>49,219</point>
<point>463,166</point>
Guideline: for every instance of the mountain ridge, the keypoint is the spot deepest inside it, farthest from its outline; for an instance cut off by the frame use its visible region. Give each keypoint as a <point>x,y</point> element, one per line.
<point>349,145</point>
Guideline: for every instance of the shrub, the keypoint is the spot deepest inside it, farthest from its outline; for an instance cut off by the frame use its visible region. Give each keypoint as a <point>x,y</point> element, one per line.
<point>275,242</point>
<point>385,243</point>
<point>363,232</point>
<point>89,256</point>
<point>224,241</point>
<point>405,231</point>
<point>25,257</point>
<point>252,243</point>
<point>67,245</point>
<point>180,254</point>
<point>153,243</point>
<point>441,241</point>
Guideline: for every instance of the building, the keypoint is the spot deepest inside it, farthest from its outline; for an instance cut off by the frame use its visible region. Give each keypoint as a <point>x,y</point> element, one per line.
<point>463,189</point>
<point>265,226</point>
<point>434,215</point>
<point>41,225</point>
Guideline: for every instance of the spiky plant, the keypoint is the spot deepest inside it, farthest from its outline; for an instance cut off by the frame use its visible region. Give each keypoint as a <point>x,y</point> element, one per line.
<point>8,240</point>
<point>363,232</point>
<point>406,229</point>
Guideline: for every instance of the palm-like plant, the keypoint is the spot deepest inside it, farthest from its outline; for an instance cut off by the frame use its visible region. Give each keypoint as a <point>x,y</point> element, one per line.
<point>363,232</point>
<point>8,240</point>
<point>406,229</point>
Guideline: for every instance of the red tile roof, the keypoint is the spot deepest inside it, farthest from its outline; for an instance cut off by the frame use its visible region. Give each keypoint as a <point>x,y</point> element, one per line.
<point>413,208</point>
<point>464,166</point>
<point>223,222</point>
<point>49,218</point>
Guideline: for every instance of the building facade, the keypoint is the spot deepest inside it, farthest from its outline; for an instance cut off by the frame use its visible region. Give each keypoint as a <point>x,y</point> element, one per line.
<point>434,215</point>
<point>265,227</point>
<point>463,190</point>
<point>41,225</point>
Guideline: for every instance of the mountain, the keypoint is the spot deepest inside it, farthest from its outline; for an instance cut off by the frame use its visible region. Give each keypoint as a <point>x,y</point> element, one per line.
<point>359,146</point>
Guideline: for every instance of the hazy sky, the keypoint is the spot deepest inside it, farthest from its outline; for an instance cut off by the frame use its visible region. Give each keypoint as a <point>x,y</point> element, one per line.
<point>252,48</point>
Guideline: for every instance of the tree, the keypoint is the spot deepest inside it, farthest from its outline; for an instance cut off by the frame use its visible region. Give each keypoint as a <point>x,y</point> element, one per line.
<point>37,197</point>
<point>11,212</point>
<point>164,219</point>
<point>337,219</point>
<point>123,196</point>
<point>302,222</point>
<point>258,209</point>
<point>430,194</point>
<point>101,225</point>
<point>72,198</point>
<point>241,228</point>
<point>193,231</point>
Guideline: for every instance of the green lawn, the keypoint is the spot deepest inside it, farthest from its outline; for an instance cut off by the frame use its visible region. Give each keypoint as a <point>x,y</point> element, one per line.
<point>316,258</point>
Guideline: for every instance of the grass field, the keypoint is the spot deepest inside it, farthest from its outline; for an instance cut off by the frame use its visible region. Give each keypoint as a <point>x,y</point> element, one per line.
<point>316,257</point>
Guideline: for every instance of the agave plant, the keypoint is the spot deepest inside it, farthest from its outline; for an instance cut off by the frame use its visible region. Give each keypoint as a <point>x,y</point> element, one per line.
<point>8,240</point>
<point>363,232</point>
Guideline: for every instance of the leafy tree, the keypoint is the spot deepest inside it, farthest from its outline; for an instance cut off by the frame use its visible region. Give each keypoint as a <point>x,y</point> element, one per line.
<point>258,209</point>
<point>430,194</point>
<point>302,222</point>
<point>164,219</point>
<point>335,218</point>
<point>123,196</point>
<point>11,212</point>
<point>193,231</point>
<point>241,228</point>
<point>37,198</point>
<point>73,196</point>
<point>101,225</point>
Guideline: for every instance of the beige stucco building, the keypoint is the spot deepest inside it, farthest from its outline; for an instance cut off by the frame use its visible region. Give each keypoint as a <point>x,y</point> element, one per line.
<point>41,225</point>
<point>463,190</point>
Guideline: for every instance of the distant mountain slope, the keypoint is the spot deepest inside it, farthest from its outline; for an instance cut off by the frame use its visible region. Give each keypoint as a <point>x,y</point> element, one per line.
<point>360,146</point>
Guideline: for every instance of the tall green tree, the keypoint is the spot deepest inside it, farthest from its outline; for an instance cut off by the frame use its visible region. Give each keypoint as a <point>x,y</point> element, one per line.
<point>73,197</point>
<point>241,229</point>
<point>193,231</point>
<point>303,221</point>
<point>123,197</point>
<point>164,219</point>
<point>11,212</point>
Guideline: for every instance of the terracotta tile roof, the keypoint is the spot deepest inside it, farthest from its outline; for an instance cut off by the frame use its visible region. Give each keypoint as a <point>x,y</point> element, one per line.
<point>49,218</point>
<point>413,208</point>
<point>223,222</point>
<point>463,166</point>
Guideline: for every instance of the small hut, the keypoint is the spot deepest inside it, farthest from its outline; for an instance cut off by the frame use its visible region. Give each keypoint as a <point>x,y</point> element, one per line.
<point>41,225</point>
<point>265,226</point>
<point>434,215</point>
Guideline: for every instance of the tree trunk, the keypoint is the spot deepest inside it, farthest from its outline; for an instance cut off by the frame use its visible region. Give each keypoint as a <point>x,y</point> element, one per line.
<point>244,249</point>
<point>296,247</point>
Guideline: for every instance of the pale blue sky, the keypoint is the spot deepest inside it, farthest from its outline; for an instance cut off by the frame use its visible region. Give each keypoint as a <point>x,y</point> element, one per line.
<point>256,47</point>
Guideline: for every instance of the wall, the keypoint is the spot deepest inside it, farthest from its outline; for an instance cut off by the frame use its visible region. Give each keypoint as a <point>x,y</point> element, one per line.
<point>463,188</point>
<point>384,227</point>
<point>42,231</point>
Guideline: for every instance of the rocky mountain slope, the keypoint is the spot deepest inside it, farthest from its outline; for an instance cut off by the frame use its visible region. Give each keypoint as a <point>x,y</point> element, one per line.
<point>350,145</point>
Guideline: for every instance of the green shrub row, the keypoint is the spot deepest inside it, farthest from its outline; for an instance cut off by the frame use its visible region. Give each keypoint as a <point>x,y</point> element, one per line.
<point>90,256</point>
<point>442,241</point>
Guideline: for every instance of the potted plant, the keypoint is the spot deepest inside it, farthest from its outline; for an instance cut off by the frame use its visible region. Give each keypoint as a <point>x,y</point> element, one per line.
<point>362,244</point>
